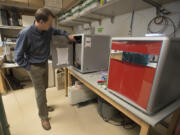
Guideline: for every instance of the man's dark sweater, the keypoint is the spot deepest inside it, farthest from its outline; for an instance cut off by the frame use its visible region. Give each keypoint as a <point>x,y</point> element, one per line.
<point>33,46</point>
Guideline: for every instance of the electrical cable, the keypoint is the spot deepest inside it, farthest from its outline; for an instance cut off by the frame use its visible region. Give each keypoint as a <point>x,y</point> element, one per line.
<point>158,20</point>
<point>131,25</point>
<point>174,26</point>
<point>125,122</point>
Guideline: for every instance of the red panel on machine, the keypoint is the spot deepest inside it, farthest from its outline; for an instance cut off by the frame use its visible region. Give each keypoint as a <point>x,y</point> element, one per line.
<point>138,47</point>
<point>132,80</point>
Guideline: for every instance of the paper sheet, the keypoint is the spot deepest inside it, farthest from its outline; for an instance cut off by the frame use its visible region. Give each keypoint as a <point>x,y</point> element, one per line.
<point>88,42</point>
<point>62,56</point>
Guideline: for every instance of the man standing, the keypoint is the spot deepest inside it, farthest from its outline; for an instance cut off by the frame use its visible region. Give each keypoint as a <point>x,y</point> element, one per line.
<point>32,52</point>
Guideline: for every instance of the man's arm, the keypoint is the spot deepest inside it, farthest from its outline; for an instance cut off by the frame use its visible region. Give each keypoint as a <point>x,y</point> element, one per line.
<point>20,48</point>
<point>62,32</point>
<point>59,32</point>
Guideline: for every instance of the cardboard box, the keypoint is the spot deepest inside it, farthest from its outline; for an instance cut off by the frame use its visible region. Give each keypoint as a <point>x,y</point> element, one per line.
<point>22,3</point>
<point>36,3</point>
<point>67,4</point>
<point>27,20</point>
<point>25,3</point>
<point>57,4</point>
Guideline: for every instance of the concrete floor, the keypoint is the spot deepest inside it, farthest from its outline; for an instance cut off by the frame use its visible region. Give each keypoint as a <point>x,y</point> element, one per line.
<point>23,117</point>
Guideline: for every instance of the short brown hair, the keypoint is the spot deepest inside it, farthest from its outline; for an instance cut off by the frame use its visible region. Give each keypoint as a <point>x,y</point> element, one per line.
<point>43,14</point>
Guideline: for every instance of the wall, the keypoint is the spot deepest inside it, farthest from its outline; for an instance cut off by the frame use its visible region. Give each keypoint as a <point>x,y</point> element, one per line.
<point>27,20</point>
<point>68,29</point>
<point>121,24</point>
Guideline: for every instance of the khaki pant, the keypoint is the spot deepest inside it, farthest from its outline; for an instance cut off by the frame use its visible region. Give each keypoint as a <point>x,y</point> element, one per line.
<point>39,76</point>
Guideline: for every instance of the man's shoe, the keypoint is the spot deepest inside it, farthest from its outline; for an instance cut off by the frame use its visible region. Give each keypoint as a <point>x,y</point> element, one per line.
<point>45,124</point>
<point>50,109</point>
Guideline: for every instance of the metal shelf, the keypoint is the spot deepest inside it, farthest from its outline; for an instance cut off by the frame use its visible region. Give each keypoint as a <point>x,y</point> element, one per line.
<point>112,9</point>
<point>87,17</point>
<point>118,7</point>
<point>70,23</point>
<point>11,27</point>
<point>7,43</point>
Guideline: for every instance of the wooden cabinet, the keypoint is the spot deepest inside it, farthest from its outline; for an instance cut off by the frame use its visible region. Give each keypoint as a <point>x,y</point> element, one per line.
<point>67,4</point>
<point>36,3</point>
<point>23,3</point>
<point>16,3</point>
<point>53,4</point>
<point>19,1</point>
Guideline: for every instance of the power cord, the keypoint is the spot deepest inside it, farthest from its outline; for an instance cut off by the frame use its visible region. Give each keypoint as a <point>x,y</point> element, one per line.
<point>159,20</point>
<point>122,121</point>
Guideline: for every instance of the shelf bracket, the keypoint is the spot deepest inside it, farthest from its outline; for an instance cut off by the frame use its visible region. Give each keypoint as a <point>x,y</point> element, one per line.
<point>112,19</point>
<point>66,26</point>
<point>106,16</point>
<point>91,18</point>
<point>82,21</point>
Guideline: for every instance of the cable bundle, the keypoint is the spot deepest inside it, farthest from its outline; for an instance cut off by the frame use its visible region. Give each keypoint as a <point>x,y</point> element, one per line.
<point>162,20</point>
<point>113,116</point>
